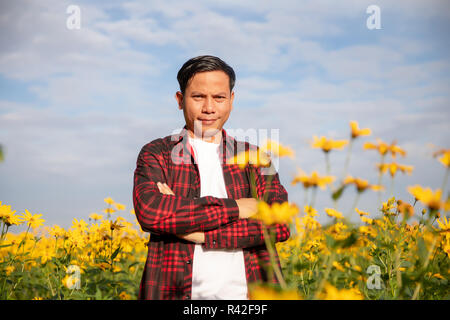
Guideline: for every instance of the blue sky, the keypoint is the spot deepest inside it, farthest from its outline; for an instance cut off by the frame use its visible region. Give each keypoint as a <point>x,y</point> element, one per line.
<point>76,106</point>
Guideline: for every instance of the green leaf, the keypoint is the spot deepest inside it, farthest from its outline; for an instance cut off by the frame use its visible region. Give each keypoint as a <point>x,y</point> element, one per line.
<point>115,253</point>
<point>422,250</point>
<point>331,243</point>
<point>338,193</point>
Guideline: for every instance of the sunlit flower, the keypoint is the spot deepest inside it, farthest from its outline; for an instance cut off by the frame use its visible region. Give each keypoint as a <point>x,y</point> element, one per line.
<point>361,213</point>
<point>338,266</point>
<point>119,206</point>
<point>393,167</point>
<point>124,296</point>
<point>366,220</point>
<point>356,132</point>
<point>444,224</point>
<point>109,210</point>
<point>95,216</point>
<point>310,211</point>
<point>328,144</point>
<point>332,293</point>
<point>275,213</point>
<point>56,231</point>
<point>109,201</point>
<point>277,149</point>
<point>334,213</point>
<point>315,180</point>
<point>405,209</point>
<point>79,225</point>
<point>33,221</point>
<point>267,293</point>
<point>431,199</point>
<point>362,185</point>
<point>445,159</point>
<point>383,148</point>
<point>253,157</point>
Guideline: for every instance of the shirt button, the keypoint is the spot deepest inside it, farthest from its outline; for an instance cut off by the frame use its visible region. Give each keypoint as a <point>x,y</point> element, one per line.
<point>214,242</point>
<point>187,296</point>
<point>188,262</point>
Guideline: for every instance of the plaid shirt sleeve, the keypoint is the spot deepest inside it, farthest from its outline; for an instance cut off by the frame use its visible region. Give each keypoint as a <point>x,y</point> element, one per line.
<point>246,233</point>
<point>169,214</point>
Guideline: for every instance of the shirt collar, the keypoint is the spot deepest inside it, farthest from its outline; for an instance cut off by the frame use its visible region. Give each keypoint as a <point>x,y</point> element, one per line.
<point>227,143</point>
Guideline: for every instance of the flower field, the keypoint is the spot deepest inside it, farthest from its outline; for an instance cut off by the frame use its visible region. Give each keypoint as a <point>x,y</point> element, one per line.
<point>398,250</point>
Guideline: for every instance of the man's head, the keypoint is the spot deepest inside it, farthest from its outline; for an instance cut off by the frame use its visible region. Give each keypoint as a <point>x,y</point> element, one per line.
<point>206,94</point>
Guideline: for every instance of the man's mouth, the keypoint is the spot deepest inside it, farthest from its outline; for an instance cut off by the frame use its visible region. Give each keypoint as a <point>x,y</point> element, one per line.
<point>207,121</point>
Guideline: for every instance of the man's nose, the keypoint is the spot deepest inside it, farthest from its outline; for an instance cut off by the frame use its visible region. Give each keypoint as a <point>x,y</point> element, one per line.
<point>208,106</point>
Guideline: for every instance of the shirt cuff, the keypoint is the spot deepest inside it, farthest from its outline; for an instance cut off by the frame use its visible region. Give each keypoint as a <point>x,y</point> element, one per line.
<point>231,212</point>
<point>212,240</point>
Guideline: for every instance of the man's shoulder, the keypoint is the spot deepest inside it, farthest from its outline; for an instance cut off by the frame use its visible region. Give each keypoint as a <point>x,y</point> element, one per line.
<point>159,145</point>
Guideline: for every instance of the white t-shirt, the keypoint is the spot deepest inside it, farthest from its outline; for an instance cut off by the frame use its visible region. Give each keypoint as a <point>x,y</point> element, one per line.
<point>217,273</point>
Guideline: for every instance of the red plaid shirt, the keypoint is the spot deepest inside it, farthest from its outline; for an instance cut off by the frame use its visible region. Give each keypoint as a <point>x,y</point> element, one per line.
<point>168,269</point>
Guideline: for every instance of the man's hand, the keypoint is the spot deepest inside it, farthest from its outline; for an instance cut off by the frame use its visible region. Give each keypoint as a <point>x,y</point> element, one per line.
<point>196,237</point>
<point>247,207</point>
<point>164,188</point>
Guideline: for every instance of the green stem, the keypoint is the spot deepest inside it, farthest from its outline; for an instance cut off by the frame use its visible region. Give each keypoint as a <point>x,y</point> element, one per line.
<point>274,264</point>
<point>325,277</point>
<point>392,187</point>
<point>444,183</point>
<point>347,160</point>
<point>313,197</point>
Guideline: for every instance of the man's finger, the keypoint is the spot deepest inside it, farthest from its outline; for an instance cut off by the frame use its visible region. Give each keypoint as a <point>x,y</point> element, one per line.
<point>168,189</point>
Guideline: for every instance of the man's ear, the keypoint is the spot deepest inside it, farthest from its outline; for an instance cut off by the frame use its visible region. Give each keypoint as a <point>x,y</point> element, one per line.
<point>179,98</point>
<point>231,99</point>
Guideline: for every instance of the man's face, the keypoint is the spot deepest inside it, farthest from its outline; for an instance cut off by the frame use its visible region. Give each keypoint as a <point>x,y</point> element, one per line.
<point>207,102</point>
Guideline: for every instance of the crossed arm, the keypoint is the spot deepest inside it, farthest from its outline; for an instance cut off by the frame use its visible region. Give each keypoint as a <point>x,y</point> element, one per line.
<point>215,222</point>
<point>247,208</point>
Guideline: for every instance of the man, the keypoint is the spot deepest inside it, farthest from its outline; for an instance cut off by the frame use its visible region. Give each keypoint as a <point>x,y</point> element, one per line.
<point>197,208</point>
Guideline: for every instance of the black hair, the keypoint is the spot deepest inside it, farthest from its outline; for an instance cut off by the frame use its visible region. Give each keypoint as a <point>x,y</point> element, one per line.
<point>202,64</point>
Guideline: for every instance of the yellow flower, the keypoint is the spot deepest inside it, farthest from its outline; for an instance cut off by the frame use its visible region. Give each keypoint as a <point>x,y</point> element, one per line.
<point>56,231</point>
<point>109,201</point>
<point>69,281</point>
<point>124,296</point>
<point>431,199</point>
<point>115,225</point>
<point>362,185</point>
<point>334,213</point>
<point>366,220</point>
<point>444,225</point>
<point>361,213</point>
<point>79,225</point>
<point>332,293</point>
<point>119,206</point>
<point>327,144</point>
<point>109,210</point>
<point>393,167</point>
<point>356,132</point>
<point>315,180</point>
<point>267,293</point>
<point>338,266</point>
<point>9,269</point>
<point>445,159</point>
<point>275,213</point>
<point>8,216</point>
<point>277,149</point>
<point>33,221</point>
<point>253,157</point>
<point>310,211</point>
<point>95,216</point>
<point>383,148</point>
<point>405,209</point>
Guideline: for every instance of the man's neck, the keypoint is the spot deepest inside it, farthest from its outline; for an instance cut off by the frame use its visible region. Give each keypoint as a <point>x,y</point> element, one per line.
<point>211,138</point>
